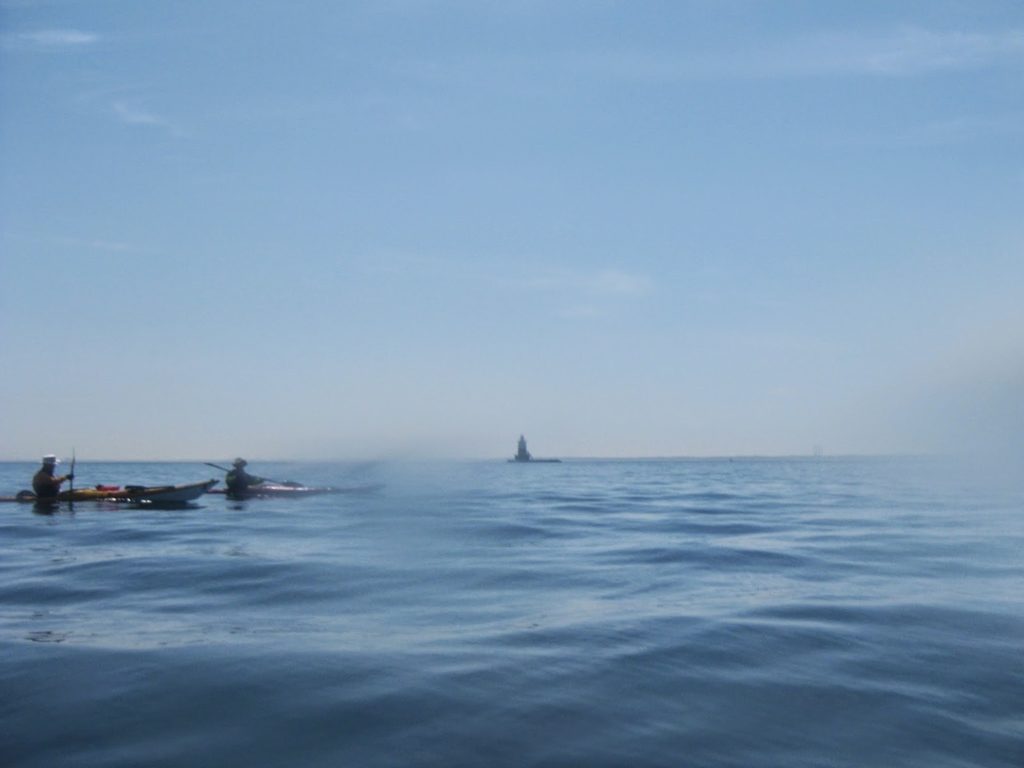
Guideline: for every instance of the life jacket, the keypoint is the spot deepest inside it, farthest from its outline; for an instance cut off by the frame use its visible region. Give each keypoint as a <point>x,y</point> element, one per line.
<point>45,485</point>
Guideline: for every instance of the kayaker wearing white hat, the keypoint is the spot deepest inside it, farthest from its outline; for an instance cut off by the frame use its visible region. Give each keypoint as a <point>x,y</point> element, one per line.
<point>238,480</point>
<point>45,483</point>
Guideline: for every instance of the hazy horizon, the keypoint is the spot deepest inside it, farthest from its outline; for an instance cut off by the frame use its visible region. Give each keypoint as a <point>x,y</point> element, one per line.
<point>253,461</point>
<point>422,228</point>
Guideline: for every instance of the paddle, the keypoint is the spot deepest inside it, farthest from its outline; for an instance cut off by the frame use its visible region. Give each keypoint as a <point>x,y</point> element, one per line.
<point>71,482</point>
<point>265,479</point>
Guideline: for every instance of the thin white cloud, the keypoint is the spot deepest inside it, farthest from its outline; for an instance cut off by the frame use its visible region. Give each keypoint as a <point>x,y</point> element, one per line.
<point>107,246</point>
<point>613,282</point>
<point>588,294</point>
<point>56,39</point>
<point>134,116</point>
<point>98,245</point>
<point>80,246</point>
<point>580,293</point>
<point>946,132</point>
<point>970,127</point>
<point>900,53</point>
<point>580,311</point>
<point>919,51</point>
<point>602,282</point>
<point>129,114</point>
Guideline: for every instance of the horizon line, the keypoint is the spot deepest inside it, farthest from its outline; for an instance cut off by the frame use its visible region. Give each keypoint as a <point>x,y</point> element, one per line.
<point>539,459</point>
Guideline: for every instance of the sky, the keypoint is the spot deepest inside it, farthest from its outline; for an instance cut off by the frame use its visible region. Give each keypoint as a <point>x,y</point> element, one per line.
<point>370,229</point>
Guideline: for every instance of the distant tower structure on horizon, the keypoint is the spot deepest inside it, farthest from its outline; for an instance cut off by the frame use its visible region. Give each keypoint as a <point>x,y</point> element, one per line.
<point>522,454</point>
<point>818,451</point>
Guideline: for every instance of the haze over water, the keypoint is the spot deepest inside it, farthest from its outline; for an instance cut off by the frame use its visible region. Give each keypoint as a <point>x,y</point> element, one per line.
<point>784,612</point>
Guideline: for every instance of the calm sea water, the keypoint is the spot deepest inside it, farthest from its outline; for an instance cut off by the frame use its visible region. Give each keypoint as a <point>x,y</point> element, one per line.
<point>833,612</point>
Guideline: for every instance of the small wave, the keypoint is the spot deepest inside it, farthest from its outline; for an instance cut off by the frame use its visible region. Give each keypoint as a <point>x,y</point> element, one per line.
<point>713,557</point>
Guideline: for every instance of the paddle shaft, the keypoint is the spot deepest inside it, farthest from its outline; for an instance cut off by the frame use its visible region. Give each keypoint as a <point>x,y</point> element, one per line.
<point>71,481</point>
<point>225,469</point>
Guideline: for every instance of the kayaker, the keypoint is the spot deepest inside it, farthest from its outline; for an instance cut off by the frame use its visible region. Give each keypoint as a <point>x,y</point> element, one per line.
<point>45,483</point>
<point>238,480</point>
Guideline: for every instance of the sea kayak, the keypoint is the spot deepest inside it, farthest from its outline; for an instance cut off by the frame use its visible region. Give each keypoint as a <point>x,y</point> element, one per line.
<point>289,490</point>
<point>133,494</point>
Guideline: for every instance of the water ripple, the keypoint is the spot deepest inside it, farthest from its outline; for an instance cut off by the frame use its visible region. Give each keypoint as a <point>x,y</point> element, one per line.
<point>715,614</point>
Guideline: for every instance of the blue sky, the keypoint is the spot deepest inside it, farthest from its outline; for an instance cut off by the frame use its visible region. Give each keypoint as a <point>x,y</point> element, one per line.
<point>368,229</point>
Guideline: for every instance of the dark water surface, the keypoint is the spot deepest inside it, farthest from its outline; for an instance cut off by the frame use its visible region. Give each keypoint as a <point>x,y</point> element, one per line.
<point>836,612</point>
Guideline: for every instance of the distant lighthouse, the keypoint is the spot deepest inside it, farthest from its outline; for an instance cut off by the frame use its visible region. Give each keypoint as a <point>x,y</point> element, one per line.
<point>523,455</point>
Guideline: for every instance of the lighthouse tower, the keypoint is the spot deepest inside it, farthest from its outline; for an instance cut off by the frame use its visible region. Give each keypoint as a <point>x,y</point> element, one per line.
<point>522,454</point>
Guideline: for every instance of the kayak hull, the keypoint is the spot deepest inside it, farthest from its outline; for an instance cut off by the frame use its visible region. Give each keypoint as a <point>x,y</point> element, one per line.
<point>172,494</point>
<point>282,490</point>
<point>132,494</point>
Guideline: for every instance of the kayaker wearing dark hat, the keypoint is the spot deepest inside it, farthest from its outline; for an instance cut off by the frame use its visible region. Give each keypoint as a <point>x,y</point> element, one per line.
<point>45,484</point>
<point>238,480</point>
